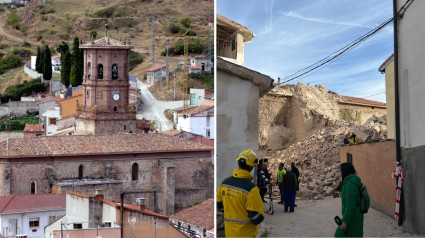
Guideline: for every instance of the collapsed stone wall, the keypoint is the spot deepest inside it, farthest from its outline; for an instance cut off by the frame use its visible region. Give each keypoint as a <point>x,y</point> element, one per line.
<point>317,156</point>
<point>304,124</point>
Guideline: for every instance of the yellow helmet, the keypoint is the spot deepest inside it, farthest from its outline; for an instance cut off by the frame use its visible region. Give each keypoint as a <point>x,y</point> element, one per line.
<point>248,157</point>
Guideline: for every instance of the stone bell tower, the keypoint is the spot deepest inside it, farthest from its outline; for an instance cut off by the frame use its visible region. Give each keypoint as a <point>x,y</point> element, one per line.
<point>106,107</point>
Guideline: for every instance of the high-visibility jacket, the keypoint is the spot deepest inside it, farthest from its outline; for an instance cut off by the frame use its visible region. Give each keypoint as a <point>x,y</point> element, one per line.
<point>243,207</point>
<point>280,174</point>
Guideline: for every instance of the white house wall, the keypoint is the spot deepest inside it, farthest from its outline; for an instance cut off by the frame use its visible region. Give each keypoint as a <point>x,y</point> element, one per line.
<point>77,211</point>
<point>23,221</point>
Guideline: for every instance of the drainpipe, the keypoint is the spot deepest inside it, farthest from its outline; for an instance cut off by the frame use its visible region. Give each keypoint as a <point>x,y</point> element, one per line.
<point>397,106</point>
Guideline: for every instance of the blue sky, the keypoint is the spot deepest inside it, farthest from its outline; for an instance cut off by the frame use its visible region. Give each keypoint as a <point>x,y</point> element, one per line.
<point>291,35</point>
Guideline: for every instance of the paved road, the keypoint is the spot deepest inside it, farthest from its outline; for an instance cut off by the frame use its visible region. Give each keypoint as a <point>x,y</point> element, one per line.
<point>152,109</point>
<point>315,218</point>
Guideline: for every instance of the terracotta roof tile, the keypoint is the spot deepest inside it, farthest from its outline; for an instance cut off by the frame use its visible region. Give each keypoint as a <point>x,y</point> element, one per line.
<point>95,144</point>
<point>50,99</point>
<point>34,202</point>
<point>4,201</point>
<point>203,140</point>
<point>172,132</point>
<point>356,100</point>
<point>196,67</point>
<point>156,68</point>
<point>194,110</point>
<point>201,215</point>
<point>208,92</point>
<point>33,128</point>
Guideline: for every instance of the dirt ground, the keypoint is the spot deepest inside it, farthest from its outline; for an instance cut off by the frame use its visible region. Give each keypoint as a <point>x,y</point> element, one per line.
<point>315,218</point>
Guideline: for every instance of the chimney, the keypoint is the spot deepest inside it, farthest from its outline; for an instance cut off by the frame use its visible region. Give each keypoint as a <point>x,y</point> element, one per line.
<point>141,203</point>
<point>99,193</point>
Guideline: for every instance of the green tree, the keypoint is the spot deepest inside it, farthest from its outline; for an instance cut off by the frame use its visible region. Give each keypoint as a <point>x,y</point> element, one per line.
<point>38,60</point>
<point>66,68</point>
<point>62,48</point>
<point>76,66</point>
<point>47,63</point>
<point>93,33</point>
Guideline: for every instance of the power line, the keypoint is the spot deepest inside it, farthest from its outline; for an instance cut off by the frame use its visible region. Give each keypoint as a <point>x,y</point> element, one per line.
<point>337,54</point>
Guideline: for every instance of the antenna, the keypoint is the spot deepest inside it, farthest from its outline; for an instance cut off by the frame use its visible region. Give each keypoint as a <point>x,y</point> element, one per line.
<point>167,71</point>
<point>152,22</point>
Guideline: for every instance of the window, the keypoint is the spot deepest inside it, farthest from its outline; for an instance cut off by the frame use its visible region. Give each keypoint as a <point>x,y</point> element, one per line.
<point>349,158</point>
<point>52,121</point>
<point>100,71</point>
<point>78,226</point>
<point>89,69</point>
<point>108,224</point>
<point>34,222</point>
<point>115,109</point>
<point>208,133</point>
<point>233,44</point>
<point>135,172</point>
<point>125,127</point>
<point>52,219</point>
<point>80,172</point>
<point>33,188</point>
<point>87,94</point>
<point>114,71</point>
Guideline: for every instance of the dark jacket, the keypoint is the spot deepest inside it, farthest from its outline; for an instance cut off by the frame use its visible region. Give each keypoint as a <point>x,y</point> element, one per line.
<point>290,181</point>
<point>351,215</point>
<point>297,173</point>
<point>262,179</point>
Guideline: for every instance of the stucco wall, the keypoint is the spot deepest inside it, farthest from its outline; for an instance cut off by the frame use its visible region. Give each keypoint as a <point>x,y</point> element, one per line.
<point>390,96</point>
<point>374,163</point>
<point>411,71</point>
<point>237,114</point>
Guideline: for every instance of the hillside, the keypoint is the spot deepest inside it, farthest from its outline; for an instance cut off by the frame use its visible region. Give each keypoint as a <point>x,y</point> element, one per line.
<point>60,20</point>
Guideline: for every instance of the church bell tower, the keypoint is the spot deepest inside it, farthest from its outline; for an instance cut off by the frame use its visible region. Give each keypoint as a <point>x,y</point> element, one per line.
<point>106,108</point>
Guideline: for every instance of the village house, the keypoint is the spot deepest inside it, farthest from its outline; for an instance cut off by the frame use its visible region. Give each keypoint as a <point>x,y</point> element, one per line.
<point>387,67</point>
<point>56,63</point>
<point>203,62</point>
<point>26,215</point>
<point>33,130</point>
<point>198,120</point>
<point>196,221</point>
<point>155,74</point>
<point>236,112</point>
<point>92,215</point>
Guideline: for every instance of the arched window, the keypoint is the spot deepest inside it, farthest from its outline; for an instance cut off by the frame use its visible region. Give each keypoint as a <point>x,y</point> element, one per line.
<point>33,187</point>
<point>89,69</point>
<point>100,71</point>
<point>114,71</point>
<point>135,172</point>
<point>80,172</point>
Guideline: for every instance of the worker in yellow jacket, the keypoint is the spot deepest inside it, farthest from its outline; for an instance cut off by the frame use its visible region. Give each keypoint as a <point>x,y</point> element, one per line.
<point>240,199</point>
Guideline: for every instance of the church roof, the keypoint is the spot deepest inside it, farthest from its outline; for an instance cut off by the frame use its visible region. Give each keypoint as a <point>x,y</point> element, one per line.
<point>95,144</point>
<point>106,42</point>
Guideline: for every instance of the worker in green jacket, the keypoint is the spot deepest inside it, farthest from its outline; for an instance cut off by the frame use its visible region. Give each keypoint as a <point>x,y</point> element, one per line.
<point>279,182</point>
<point>352,218</point>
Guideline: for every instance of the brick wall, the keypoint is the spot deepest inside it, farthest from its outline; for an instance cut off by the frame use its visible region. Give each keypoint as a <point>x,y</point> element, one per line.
<point>374,163</point>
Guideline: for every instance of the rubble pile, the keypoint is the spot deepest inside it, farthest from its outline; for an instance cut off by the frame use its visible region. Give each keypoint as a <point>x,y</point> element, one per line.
<point>317,157</point>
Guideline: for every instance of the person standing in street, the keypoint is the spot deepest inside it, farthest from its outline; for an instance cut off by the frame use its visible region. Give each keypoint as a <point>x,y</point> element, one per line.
<point>352,218</point>
<point>262,178</point>
<point>289,189</point>
<point>297,174</point>
<point>279,182</point>
<point>240,199</point>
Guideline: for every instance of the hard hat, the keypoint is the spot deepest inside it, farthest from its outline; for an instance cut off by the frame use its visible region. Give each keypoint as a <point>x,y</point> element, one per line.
<point>247,157</point>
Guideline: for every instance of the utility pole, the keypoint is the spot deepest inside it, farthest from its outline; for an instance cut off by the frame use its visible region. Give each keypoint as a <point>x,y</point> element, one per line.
<point>167,72</point>
<point>175,79</point>
<point>209,41</point>
<point>152,23</point>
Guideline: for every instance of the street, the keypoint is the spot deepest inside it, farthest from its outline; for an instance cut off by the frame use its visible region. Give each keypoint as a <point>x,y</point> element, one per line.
<point>153,109</point>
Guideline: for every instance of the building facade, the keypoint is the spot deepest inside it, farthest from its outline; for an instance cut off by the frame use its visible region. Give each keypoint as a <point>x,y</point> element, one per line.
<point>155,74</point>
<point>155,163</point>
<point>198,120</point>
